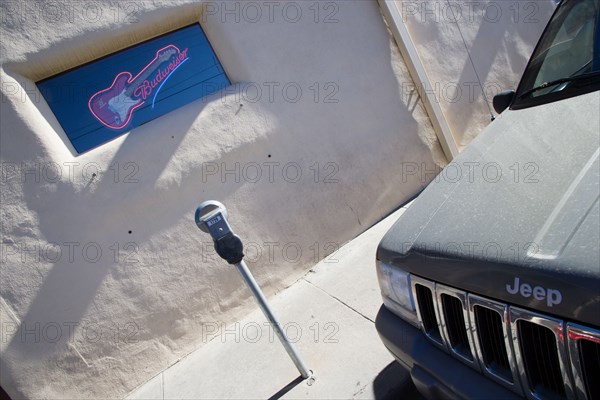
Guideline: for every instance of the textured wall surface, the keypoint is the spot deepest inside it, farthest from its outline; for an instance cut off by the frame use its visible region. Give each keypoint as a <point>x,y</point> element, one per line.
<point>472,50</point>
<point>105,279</point>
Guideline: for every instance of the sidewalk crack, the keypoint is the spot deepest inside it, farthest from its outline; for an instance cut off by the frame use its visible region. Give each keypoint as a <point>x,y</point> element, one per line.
<point>339,300</point>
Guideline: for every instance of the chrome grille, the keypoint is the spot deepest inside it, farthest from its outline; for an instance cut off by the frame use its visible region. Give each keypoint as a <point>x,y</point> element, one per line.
<point>584,353</point>
<point>491,338</point>
<point>532,354</point>
<point>590,356</point>
<point>454,323</point>
<point>541,354</point>
<point>424,295</point>
<point>452,312</point>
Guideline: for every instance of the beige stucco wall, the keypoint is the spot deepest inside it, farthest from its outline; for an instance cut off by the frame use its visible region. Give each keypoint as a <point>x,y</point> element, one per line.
<point>105,279</point>
<point>471,51</point>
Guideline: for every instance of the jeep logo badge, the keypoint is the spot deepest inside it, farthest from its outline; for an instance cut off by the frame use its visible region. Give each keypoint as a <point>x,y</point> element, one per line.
<point>552,296</point>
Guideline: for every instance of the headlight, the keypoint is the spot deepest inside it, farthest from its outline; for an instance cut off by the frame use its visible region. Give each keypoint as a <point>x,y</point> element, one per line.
<point>396,292</point>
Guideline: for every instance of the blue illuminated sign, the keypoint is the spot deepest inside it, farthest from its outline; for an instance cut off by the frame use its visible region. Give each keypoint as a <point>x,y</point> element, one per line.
<point>103,99</point>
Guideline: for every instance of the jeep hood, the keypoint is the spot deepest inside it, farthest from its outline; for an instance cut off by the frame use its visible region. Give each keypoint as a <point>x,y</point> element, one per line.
<point>522,200</point>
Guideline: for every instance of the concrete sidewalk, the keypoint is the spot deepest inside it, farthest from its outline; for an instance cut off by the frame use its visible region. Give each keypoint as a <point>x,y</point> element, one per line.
<point>329,314</point>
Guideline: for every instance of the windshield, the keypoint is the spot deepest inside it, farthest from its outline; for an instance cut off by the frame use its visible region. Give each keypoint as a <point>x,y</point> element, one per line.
<point>565,56</point>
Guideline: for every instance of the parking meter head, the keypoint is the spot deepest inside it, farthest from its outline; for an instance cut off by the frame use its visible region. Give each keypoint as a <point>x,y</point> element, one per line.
<point>211,217</point>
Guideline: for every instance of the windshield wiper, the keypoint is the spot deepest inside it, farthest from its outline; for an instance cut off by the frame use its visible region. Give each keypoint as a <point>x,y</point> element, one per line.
<point>558,82</point>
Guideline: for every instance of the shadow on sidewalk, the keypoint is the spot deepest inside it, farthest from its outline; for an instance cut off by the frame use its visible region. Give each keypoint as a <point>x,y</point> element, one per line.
<point>4,395</point>
<point>287,388</point>
<point>393,382</point>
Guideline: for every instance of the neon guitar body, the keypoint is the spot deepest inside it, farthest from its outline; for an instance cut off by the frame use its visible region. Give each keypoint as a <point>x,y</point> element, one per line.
<point>112,106</point>
<point>115,105</point>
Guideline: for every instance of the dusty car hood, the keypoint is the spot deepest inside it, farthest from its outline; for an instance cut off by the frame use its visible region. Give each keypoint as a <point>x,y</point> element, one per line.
<point>517,202</point>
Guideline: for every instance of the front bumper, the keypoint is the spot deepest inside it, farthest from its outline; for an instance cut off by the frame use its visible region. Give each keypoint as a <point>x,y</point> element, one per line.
<point>436,374</point>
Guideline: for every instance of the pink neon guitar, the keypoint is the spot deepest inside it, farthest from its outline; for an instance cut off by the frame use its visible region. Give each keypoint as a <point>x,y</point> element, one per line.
<point>115,105</point>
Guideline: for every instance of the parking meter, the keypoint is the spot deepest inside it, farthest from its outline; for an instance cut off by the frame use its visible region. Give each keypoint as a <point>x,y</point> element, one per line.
<point>211,217</point>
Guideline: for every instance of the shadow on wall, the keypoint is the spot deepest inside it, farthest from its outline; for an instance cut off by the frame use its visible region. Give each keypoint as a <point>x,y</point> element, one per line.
<point>483,52</point>
<point>84,46</point>
<point>96,227</point>
<point>369,134</point>
<point>472,51</point>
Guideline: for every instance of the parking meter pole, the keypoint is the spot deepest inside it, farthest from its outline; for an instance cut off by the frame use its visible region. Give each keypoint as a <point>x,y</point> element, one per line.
<point>262,302</point>
<point>211,217</point>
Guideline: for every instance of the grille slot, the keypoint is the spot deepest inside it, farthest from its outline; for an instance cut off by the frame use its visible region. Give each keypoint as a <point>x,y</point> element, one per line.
<point>539,344</point>
<point>589,353</point>
<point>584,352</point>
<point>534,355</point>
<point>427,311</point>
<point>491,340</point>
<point>540,357</point>
<point>456,327</point>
